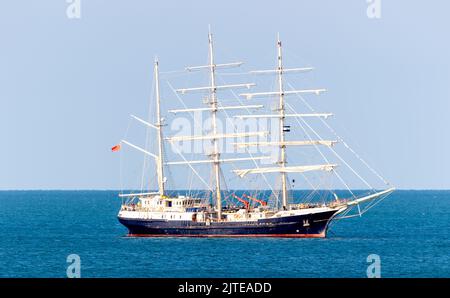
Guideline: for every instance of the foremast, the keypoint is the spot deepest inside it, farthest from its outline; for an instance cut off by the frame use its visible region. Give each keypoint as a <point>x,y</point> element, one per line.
<point>159,158</point>
<point>159,124</point>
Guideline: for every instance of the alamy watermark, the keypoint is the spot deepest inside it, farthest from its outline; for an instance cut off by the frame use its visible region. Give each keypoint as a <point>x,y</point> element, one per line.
<point>73,10</point>
<point>374,269</point>
<point>374,9</point>
<point>74,268</point>
<point>232,135</point>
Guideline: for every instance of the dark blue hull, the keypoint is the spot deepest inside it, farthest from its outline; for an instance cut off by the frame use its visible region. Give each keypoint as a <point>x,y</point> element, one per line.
<point>308,225</point>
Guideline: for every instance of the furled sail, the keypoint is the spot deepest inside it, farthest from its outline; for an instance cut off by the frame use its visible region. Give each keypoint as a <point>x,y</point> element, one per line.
<point>278,93</point>
<point>217,136</point>
<point>286,143</point>
<point>294,169</point>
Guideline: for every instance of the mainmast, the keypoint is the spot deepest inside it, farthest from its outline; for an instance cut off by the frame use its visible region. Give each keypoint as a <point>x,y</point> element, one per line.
<point>212,88</point>
<point>281,110</point>
<point>215,155</point>
<point>159,124</point>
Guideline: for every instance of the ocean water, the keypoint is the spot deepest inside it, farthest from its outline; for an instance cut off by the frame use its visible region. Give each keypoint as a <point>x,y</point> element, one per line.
<point>410,231</point>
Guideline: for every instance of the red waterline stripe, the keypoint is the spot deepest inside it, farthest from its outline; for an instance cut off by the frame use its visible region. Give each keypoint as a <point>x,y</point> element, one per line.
<point>234,236</point>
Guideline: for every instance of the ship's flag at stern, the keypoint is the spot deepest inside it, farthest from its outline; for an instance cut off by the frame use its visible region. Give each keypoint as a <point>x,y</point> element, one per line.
<point>115,148</point>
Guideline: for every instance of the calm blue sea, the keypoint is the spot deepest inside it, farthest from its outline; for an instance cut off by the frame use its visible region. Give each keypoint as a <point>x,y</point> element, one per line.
<point>410,231</point>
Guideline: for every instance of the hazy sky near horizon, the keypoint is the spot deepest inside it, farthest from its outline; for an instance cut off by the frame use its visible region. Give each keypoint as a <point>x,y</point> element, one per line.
<point>67,86</point>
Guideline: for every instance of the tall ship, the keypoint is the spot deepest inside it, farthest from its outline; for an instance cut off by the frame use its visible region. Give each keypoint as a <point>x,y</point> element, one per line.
<point>277,210</point>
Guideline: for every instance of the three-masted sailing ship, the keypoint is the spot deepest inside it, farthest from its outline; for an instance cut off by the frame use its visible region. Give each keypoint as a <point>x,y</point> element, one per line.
<point>162,214</point>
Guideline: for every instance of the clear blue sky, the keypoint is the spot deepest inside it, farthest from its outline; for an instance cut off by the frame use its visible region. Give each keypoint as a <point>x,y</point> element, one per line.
<point>67,86</point>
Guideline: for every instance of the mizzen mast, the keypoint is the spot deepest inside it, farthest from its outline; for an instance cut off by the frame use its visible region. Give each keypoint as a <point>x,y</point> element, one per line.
<point>282,167</point>
<point>281,110</point>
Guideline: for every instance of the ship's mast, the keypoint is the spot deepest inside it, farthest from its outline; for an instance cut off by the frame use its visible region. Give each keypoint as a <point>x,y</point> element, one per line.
<point>282,167</point>
<point>159,124</point>
<point>215,155</point>
<point>214,107</point>
<point>281,110</point>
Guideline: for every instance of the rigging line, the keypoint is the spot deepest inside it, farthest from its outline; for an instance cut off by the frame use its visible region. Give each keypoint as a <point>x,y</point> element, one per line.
<point>368,206</point>
<point>224,182</point>
<point>168,172</point>
<point>315,190</point>
<point>167,77</point>
<point>317,147</point>
<point>318,190</point>
<point>173,71</point>
<point>337,155</point>
<point>343,142</point>
<point>184,106</point>
<point>182,156</point>
<point>328,184</point>
<point>147,135</point>
<point>178,152</point>
<point>347,211</point>
<point>374,204</point>
<point>235,129</point>
<point>231,73</point>
<point>211,181</point>
<point>307,180</point>
<point>121,160</point>
<point>196,123</point>
<point>191,180</point>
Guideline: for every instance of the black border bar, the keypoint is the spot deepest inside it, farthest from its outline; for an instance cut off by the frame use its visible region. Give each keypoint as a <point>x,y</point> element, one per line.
<point>227,287</point>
